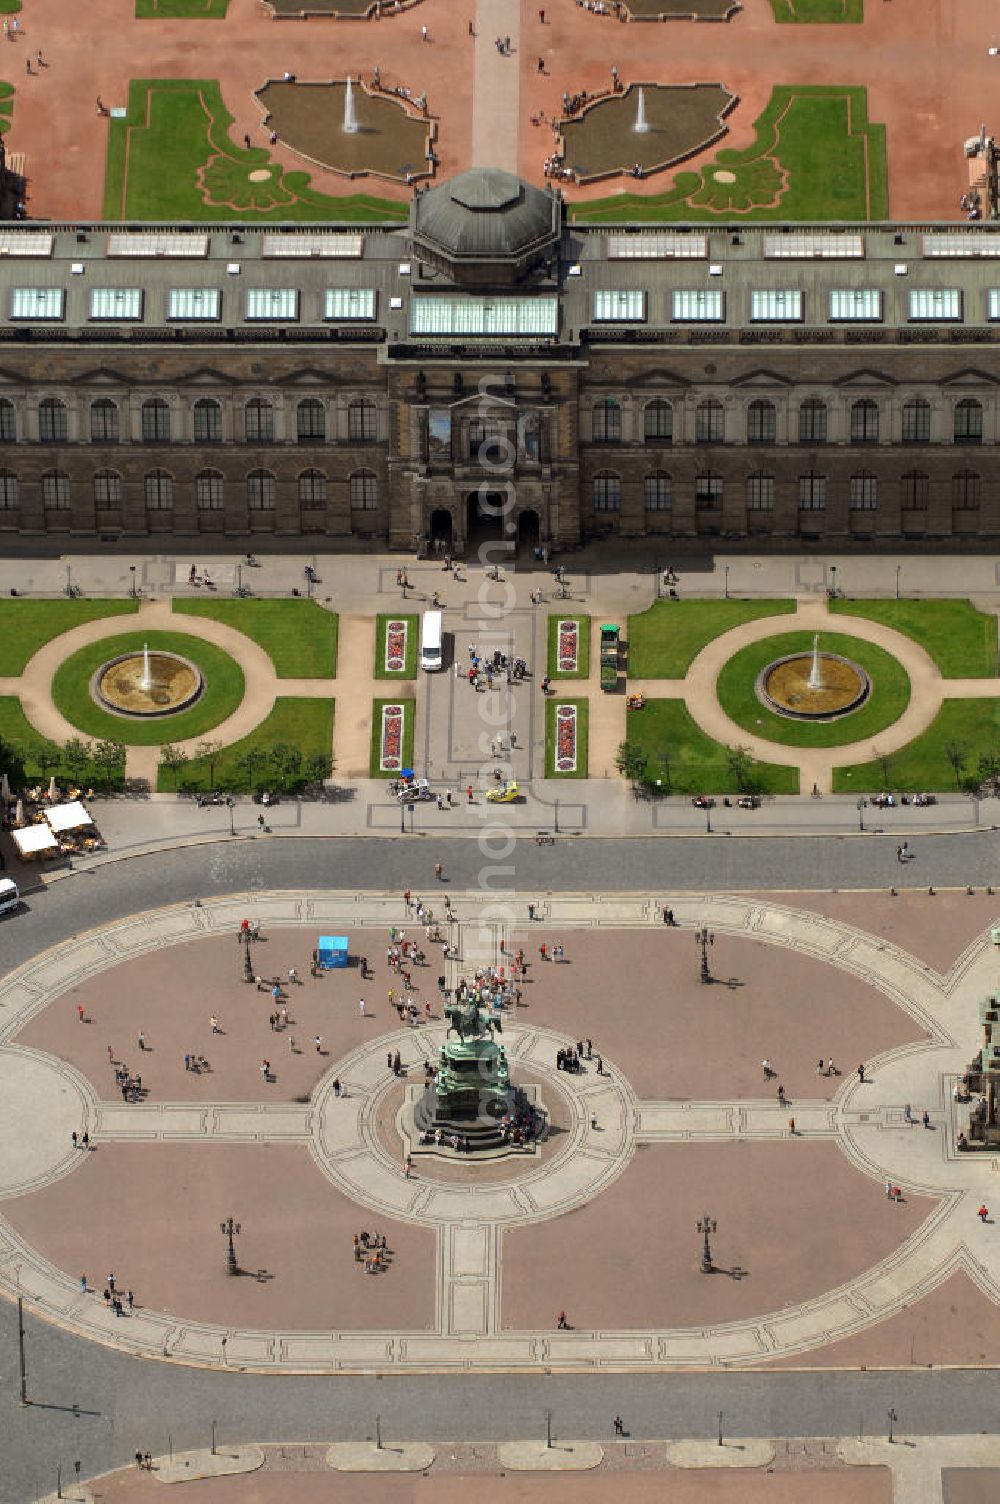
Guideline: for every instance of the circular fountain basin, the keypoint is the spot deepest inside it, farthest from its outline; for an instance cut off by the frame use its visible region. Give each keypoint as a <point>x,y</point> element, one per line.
<point>175,683</point>
<point>784,687</point>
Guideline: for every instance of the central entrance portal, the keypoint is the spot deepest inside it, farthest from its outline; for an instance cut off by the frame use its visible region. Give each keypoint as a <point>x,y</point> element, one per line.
<point>486,519</point>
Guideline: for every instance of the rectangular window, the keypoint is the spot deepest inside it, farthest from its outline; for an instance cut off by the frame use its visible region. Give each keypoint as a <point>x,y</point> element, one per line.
<point>708,491</point>
<point>776,305</point>
<point>814,245</point>
<point>156,243</point>
<point>935,304</point>
<point>313,243</point>
<point>965,492</point>
<point>658,245</point>
<point>25,243</point>
<point>659,493</point>
<point>856,304</point>
<point>993,303</point>
<point>760,493</point>
<point>475,316</point>
<point>864,493</point>
<point>55,492</point>
<point>107,490</point>
<point>916,422</point>
<point>698,306</point>
<point>916,491</point>
<point>961,243</point>
<point>37,303</point>
<point>277,304</point>
<point>194,304</point>
<point>116,302</point>
<point>812,422</point>
<point>623,306</point>
<point>812,493</point>
<point>349,303</point>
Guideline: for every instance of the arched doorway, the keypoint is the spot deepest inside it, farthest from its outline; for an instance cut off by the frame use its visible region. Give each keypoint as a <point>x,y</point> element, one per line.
<point>529,530</point>
<point>442,530</point>
<point>487,516</point>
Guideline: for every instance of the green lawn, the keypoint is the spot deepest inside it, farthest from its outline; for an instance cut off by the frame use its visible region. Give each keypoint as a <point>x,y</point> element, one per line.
<point>26,626</point>
<point>664,641</point>
<point>582,728</point>
<point>222,694</point>
<point>197,10</point>
<point>299,637</point>
<point>687,761</point>
<point>961,640</point>
<point>970,726</point>
<point>409,669</point>
<point>824,12</point>
<point>583,650</point>
<point>815,157</point>
<point>889,697</point>
<point>172,158</point>
<point>306,725</point>
<point>374,770</point>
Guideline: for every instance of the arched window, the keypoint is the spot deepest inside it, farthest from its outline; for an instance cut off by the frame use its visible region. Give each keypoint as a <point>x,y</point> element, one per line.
<point>658,492</point>
<point>208,490</point>
<point>9,490</point>
<point>207,421</point>
<point>916,487</point>
<point>55,491</point>
<point>155,421</point>
<point>812,492</point>
<point>658,421</point>
<point>916,421</point>
<point>812,421</point>
<point>261,491</point>
<point>709,422</point>
<point>107,490</point>
<point>312,489</point>
<point>364,492</point>
<point>104,421</point>
<point>965,491</point>
<point>8,421</point>
<point>968,421</point>
<point>52,421</point>
<point>362,421</point>
<point>864,421</point>
<point>760,492</point>
<point>761,422</point>
<point>310,420</point>
<point>864,492</point>
<point>258,418</point>
<point>159,491</point>
<point>607,492</point>
<point>707,491</point>
<point>607,421</point>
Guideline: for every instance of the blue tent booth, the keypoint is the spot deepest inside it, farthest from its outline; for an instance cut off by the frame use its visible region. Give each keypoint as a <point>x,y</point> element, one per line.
<point>332,951</point>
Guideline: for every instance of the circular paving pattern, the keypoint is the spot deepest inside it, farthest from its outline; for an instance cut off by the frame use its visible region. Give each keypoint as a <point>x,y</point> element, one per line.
<point>606,1125</point>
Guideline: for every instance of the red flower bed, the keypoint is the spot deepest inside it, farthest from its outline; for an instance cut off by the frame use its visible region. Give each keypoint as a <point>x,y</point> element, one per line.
<point>395,646</point>
<point>568,656</point>
<point>392,738</point>
<point>566,738</point>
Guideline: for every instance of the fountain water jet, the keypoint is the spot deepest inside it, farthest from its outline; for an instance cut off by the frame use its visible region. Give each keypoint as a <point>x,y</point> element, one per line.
<point>146,682</point>
<point>641,126</point>
<point>816,680</point>
<point>351,126</point>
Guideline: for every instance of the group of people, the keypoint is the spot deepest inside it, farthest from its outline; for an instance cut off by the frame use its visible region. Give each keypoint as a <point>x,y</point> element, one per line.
<point>371,1250</point>
<point>571,1059</point>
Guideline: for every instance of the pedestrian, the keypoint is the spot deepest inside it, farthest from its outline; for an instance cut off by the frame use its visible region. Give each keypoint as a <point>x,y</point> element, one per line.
<point>265,1069</point>
<point>562,1324</point>
<point>531,911</point>
<point>819,1066</point>
<point>888,1190</point>
<point>85,1141</point>
<point>138,1459</point>
<point>81,1013</point>
<point>423,34</point>
<point>781,1095</point>
<point>338,1090</point>
<point>542,951</point>
<point>214,1024</point>
<point>76,1142</point>
<point>907,1113</point>
<point>468,794</point>
<point>149,1456</point>
<point>899,853</point>
<point>618,1424</point>
<point>904,852</point>
<point>83,1283</point>
<point>926,1119</point>
<point>983,1212</point>
<point>100,101</point>
<point>767,1068</point>
<point>438,871</point>
<point>261,823</point>
<point>600,1065</point>
<point>131,1299</point>
<point>293,975</point>
<point>447,795</point>
<point>861,1075</point>
<point>111,1281</point>
<point>361,1007</point>
<point>141,1041</point>
<point>407,1166</point>
<point>472,32</point>
<point>318,1042</point>
<point>27,66</point>
<point>791,1126</point>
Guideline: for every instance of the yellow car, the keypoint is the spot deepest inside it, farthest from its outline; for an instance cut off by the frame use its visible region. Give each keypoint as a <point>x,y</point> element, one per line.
<point>504,793</point>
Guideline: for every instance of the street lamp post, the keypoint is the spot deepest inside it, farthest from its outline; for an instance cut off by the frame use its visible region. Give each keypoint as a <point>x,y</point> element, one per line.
<point>706,1226</point>
<point>893,1417</point>
<point>899,571</point>
<point>69,580</point>
<point>249,975</point>
<point>703,939</point>
<point>833,579</point>
<point>229,1230</point>
<point>727,581</point>
<point>708,819</point>
<point>231,805</point>
<point>131,589</point>
<point>22,1366</point>
<point>861,813</point>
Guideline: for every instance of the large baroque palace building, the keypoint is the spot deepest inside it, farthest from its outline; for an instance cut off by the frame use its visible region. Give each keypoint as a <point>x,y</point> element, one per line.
<point>488,365</point>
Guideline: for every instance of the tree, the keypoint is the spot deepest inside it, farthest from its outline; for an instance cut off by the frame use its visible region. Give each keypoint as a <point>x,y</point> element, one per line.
<point>46,756</point>
<point>989,767</point>
<point>109,764</point>
<point>318,767</point>
<point>286,764</point>
<point>209,751</point>
<point>956,753</point>
<point>77,756</point>
<point>630,760</point>
<point>173,759</point>
<point>885,763</point>
<point>739,761</point>
<point>250,762</point>
<point>12,763</point>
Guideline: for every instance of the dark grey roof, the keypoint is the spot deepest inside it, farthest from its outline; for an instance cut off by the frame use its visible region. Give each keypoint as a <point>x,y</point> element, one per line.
<point>485,213</point>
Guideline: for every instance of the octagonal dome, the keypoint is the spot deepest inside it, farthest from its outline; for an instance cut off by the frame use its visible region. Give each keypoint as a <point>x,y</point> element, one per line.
<point>485,225</point>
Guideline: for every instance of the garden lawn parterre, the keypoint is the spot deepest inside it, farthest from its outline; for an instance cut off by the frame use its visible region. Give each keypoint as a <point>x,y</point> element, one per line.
<point>26,626</point>
<point>971,727</point>
<point>18,732</point>
<point>582,670</point>
<point>408,668</point>
<point>889,696</point>
<point>664,641</point>
<point>961,640</point>
<point>400,751</point>
<point>222,694</point>
<point>306,725</point>
<point>579,721</point>
<point>299,637</point>
<point>687,761</point>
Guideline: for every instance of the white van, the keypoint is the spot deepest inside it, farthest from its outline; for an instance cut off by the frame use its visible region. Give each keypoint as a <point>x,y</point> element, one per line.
<point>10,895</point>
<point>430,642</point>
